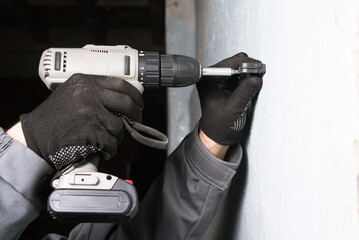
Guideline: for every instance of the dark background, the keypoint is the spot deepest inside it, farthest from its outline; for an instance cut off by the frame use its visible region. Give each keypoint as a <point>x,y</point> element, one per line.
<point>28,27</point>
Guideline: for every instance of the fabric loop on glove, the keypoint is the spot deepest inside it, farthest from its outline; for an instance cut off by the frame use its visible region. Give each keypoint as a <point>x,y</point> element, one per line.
<point>133,127</point>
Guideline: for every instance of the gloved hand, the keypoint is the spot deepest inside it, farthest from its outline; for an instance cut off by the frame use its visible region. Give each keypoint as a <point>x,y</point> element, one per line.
<point>225,101</point>
<point>77,121</point>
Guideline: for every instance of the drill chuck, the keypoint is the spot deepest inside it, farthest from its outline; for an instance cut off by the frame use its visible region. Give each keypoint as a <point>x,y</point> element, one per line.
<point>167,70</point>
<point>179,71</point>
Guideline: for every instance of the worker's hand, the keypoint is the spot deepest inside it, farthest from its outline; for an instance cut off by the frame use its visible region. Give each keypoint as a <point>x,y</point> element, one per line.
<point>225,101</point>
<point>77,121</point>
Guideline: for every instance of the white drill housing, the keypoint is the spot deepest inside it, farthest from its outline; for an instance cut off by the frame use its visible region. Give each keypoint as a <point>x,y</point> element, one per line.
<point>59,64</point>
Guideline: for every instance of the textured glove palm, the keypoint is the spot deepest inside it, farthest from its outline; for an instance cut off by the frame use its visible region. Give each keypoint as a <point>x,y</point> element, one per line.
<point>77,121</point>
<point>225,101</point>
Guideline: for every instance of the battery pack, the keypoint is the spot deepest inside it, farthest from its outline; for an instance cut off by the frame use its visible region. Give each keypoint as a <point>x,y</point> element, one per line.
<point>93,205</point>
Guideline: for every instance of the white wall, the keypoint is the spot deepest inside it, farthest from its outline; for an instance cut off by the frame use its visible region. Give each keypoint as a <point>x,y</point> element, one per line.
<point>300,177</point>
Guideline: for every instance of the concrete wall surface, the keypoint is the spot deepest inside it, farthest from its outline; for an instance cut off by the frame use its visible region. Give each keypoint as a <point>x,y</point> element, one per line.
<point>300,176</point>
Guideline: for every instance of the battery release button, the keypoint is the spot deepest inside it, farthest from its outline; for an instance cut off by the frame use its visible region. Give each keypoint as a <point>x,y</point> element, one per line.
<point>129,181</point>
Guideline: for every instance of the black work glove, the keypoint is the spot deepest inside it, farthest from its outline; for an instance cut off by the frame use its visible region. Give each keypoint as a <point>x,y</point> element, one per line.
<point>77,121</point>
<point>225,101</point>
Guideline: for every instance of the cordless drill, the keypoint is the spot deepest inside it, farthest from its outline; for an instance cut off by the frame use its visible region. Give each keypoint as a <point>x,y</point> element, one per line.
<point>142,69</point>
<point>82,194</point>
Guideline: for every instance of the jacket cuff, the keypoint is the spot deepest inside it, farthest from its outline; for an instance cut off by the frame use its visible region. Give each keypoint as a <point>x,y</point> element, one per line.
<point>209,168</point>
<point>24,170</point>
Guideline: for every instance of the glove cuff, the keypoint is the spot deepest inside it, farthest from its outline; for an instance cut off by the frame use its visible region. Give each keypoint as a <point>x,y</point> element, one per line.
<point>211,134</point>
<point>226,137</point>
<point>30,138</point>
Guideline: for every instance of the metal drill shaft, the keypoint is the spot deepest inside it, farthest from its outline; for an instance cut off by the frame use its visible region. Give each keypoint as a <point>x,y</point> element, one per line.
<point>216,71</point>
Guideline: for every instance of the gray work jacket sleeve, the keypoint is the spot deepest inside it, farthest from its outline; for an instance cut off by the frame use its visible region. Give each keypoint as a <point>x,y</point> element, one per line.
<point>181,202</point>
<point>22,176</point>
